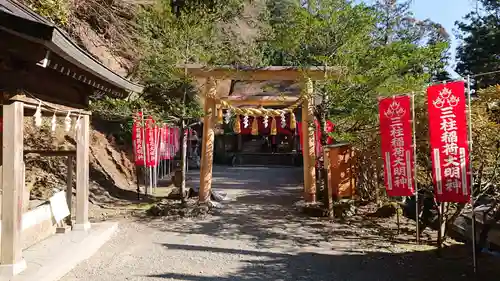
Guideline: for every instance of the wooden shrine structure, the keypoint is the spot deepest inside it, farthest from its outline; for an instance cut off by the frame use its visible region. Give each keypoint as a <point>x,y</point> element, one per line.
<point>43,71</point>
<point>214,101</point>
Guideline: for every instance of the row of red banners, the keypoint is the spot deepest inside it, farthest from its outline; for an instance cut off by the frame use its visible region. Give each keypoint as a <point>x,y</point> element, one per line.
<point>153,142</point>
<point>448,143</point>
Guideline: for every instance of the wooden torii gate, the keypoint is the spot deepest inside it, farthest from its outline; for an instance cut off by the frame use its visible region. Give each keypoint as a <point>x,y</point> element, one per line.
<point>212,101</point>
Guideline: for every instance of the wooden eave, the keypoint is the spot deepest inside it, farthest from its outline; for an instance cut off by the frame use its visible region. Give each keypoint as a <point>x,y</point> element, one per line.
<point>69,58</point>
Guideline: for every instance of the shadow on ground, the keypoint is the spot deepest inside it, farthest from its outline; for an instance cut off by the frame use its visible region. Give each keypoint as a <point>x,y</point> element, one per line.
<point>359,249</point>
<point>352,266</point>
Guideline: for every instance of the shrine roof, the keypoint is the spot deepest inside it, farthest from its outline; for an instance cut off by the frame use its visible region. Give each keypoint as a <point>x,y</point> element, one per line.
<point>20,21</point>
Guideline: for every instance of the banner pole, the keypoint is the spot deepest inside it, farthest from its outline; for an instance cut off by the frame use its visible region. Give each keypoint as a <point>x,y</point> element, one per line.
<point>417,208</point>
<point>469,123</point>
<point>150,188</point>
<point>440,228</point>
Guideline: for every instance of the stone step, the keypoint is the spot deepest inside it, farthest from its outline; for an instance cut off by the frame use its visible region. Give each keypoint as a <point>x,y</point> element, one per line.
<point>54,257</point>
<point>266,159</point>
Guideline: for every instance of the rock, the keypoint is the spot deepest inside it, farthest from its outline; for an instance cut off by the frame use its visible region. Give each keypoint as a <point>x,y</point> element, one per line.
<point>386,211</point>
<point>155,210</point>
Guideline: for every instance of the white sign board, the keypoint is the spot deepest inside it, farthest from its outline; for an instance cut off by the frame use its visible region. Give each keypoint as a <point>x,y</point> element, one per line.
<point>59,206</point>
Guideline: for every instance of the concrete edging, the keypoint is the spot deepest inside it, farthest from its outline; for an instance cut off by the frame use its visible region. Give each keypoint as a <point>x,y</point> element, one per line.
<point>74,248</point>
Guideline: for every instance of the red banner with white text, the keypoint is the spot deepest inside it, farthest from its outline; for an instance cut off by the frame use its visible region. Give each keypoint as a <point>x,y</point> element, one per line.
<point>448,141</point>
<point>396,142</point>
<point>150,142</point>
<point>157,145</point>
<point>138,140</point>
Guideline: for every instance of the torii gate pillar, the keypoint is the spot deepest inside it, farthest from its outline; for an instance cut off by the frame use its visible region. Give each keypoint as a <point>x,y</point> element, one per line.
<point>207,148</point>
<point>308,145</point>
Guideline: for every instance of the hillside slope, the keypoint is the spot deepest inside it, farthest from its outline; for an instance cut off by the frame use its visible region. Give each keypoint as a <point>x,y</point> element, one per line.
<point>106,30</point>
<point>112,173</point>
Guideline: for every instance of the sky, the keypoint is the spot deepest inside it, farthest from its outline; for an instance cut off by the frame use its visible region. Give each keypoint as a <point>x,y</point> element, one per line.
<point>445,12</point>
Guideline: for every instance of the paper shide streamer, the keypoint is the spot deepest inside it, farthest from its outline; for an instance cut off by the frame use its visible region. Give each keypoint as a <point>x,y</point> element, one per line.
<point>227,116</point>
<point>245,121</point>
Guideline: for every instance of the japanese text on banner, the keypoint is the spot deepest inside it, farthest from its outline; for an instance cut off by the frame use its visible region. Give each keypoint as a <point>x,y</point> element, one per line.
<point>138,140</point>
<point>396,141</point>
<point>448,141</point>
<point>150,143</point>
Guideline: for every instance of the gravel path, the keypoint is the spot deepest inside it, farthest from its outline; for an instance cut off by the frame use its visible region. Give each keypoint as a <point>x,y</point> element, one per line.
<point>259,236</point>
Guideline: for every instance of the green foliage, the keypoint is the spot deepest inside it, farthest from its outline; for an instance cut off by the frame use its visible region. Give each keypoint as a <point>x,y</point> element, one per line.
<point>479,51</point>
<point>193,36</point>
<point>486,129</point>
<point>380,50</point>
<point>55,10</point>
<point>111,109</point>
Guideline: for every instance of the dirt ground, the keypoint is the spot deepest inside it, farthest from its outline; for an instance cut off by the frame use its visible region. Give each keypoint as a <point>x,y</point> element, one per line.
<point>260,235</point>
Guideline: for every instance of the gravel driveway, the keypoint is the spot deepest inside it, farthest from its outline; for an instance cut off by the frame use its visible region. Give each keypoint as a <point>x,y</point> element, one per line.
<point>259,236</point>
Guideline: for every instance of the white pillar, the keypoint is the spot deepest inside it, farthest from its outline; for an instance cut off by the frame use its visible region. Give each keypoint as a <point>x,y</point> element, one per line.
<point>11,260</point>
<point>82,174</point>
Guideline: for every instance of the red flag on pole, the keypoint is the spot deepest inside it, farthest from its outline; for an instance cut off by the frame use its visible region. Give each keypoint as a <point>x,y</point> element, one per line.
<point>172,138</point>
<point>162,141</point>
<point>329,129</point>
<point>168,150</point>
<point>138,140</point>
<point>150,142</point>
<point>176,140</point>
<point>396,143</point>
<point>157,145</point>
<point>448,141</point>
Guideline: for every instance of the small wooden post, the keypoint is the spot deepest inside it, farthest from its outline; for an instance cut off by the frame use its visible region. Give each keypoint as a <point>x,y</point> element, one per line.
<point>82,174</point>
<point>11,260</point>
<point>207,142</point>
<point>308,146</point>
<point>69,188</point>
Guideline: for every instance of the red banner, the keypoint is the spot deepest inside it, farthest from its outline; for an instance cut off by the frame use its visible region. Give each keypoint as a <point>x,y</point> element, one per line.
<point>150,142</point>
<point>176,139</point>
<point>167,142</point>
<point>138,140</point>
<point>172,139</point>
<point>448,141</point>
<point>168,150</point>
<point>157,145</point>
<point>161,154</point>
<point>396,142</point>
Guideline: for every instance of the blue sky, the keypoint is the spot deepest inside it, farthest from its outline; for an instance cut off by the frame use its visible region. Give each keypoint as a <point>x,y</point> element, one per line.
<point>445,12</point>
